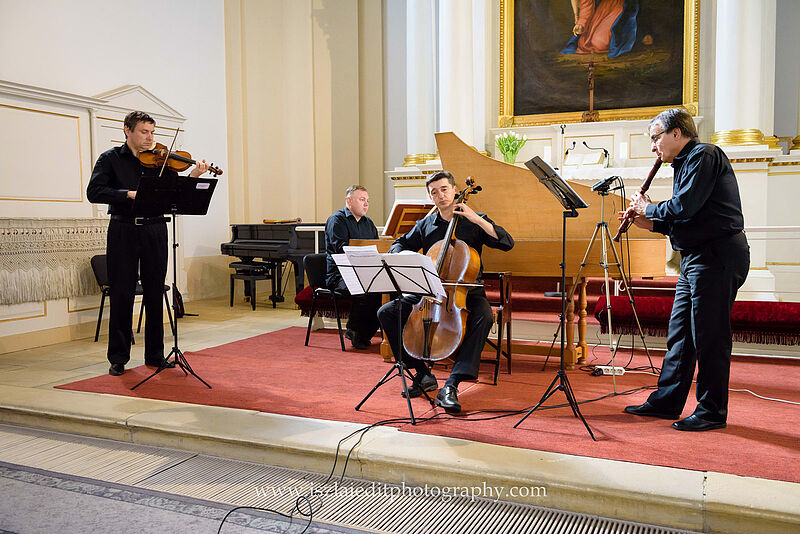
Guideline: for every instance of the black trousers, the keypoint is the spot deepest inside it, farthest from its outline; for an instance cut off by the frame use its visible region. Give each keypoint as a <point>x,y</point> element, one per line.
<point>363,318</point>
<point>135,252</point>
<point>467,358</point>
<point>700,329</point>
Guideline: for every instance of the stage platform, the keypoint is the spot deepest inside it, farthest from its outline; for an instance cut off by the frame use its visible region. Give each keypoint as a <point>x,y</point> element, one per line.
<point>697,500</point>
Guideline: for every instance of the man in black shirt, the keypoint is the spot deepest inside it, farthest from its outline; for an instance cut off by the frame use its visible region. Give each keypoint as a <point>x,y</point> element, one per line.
<point>351,222</point>
<point>704,222</point>
<point>136,247</point>
<point>476,230</point>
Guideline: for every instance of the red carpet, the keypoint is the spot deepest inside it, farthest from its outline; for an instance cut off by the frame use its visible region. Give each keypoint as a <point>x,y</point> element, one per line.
<point>275,373</point>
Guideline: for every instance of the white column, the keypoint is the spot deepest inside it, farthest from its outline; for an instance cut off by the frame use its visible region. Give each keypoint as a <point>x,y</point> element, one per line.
<point>745,68</point>
<point>456,80</point>
<point>420,80</point>
<point>744,115</point>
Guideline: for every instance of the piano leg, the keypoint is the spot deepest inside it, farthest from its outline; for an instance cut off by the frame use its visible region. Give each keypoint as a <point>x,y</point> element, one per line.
<point>276,283</point>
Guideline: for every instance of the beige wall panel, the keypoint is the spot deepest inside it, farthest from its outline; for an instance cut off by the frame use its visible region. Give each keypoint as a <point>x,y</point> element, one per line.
<point>41,155</point>
<point>26,310</point>
<point>336,101</point>
<point>640,147</point>
<point>371,121</point>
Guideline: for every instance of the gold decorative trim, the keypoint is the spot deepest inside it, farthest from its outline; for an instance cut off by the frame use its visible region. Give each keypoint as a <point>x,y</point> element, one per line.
<point>412,160</point>
<point>795,143</point>
<point>746,136</point>
<point>407,177</point>
<point>506,119</point>
<point>750,160</point>
<point>789,263</point>
<point>691,66</point>
<point>758,269</point>
<point>772,141</point>
<point>783,163</point>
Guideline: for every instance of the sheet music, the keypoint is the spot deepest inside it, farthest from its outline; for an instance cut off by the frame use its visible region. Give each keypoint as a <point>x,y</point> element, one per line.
<point>348,274</point>
<point>362,270</point>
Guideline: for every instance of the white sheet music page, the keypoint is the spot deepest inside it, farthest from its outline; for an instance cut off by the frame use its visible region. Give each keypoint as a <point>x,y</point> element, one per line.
<point>348,274</point>
<point>367,268</point>
<point>415,272</point>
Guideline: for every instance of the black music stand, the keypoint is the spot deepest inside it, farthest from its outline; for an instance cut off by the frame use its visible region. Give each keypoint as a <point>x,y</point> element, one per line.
<point>179,195</point>
<point>571,202</point>
<point>402,278</point>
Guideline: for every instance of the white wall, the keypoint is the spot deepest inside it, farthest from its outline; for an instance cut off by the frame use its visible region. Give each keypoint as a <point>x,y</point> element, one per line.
<point>173,49</point>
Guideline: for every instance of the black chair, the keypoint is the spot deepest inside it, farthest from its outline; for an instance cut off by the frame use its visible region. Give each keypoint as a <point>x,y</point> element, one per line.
<point>502,313</point>
<point>316,267</point>
<point>100,269</point>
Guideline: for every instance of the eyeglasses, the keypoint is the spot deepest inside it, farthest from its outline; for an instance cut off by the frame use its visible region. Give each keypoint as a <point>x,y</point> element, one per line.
<point>654,138</point>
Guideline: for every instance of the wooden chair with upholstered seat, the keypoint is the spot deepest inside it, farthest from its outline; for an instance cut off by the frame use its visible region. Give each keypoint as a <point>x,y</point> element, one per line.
<point>502,318</point>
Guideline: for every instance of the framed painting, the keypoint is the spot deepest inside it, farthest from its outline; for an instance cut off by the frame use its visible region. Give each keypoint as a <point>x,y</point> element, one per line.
<point>567,61</point>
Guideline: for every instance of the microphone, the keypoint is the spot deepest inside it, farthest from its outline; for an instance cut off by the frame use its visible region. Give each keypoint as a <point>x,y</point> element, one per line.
<point>570,148</point>
<point>604,184</point>
<point>605,152</point>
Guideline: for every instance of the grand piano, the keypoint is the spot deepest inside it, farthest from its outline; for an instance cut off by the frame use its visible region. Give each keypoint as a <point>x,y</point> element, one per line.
<point>514,199</point>
<point>276,243</point>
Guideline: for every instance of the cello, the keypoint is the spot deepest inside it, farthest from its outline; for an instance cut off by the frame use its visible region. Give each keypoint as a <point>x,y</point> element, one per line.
<point>435,328</point>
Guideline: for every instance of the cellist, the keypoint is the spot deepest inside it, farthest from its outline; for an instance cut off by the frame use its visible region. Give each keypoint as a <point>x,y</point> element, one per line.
<point>476,230</point>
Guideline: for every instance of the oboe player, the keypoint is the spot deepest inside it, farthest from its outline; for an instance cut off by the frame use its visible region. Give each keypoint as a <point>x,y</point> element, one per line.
<point>704,222</point>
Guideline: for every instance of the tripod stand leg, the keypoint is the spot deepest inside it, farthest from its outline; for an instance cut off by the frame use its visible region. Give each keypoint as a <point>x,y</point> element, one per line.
<point>553,344</point>
<point>574,404</point>
<point>381,382</point>
<point>627,284</point>
<point>547,394</point>
<point>183,363</point>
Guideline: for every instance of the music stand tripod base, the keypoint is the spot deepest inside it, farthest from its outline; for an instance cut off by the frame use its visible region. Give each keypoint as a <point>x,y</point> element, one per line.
<point>399,367</point>
<point>181,196</point>
<point>571,202</point>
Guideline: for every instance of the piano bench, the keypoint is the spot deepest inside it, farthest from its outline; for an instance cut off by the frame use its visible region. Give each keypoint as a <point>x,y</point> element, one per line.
<point>250,273</point>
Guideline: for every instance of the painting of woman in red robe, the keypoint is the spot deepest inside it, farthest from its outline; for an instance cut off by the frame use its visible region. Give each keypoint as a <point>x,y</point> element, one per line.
<point>603,27</point>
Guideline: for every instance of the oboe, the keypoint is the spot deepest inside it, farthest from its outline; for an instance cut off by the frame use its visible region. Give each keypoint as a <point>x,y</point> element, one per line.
<point>630,214</point>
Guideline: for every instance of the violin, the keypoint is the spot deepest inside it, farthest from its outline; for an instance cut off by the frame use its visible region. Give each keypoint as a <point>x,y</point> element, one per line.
<point>177,161</point>
<point>630,215</point>
<point>435,328</point>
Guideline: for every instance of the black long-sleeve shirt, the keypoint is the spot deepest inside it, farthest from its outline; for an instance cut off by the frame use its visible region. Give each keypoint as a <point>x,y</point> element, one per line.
<point>340,228</point>
<point>705,203</point>
<point>433,228</point>
<point>116,172</point>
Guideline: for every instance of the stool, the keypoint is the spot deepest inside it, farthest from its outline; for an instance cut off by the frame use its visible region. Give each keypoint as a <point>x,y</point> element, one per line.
<point>250,272</point>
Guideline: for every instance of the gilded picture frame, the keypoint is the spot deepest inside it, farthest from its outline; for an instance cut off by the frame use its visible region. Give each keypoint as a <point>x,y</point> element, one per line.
<point>562,82</point>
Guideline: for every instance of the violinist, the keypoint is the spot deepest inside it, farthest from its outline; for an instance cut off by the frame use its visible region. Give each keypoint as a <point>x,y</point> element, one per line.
<point>477,231</point>
<point>136,248</point>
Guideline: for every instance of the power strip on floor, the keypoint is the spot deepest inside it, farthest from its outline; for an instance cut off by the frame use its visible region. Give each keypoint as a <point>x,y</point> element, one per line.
<point>609,370</point>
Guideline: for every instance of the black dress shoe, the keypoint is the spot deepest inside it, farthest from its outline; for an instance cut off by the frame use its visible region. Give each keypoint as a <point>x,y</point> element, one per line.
<point>649,410</point>
<point>116,369</point>
<point>166,364</point>
<point>427,383</point>
<point>355,340</point>
<point>447,398</point>
<point>696,424</point>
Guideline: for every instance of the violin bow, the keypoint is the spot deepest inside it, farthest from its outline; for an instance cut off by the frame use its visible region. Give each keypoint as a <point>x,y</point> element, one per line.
<point>171,146</point>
